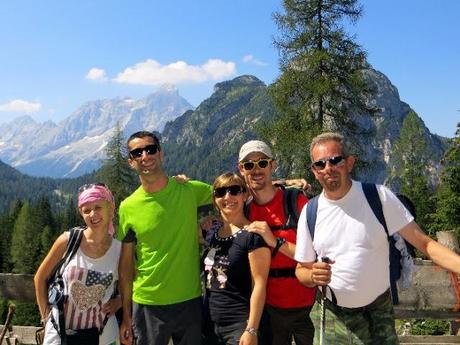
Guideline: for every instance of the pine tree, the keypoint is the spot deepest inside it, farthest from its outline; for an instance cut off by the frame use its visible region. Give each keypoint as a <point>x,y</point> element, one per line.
<point>46,241</point>
<point>410,172</point>
<point>447,216</point>
<point>115,171</point>
<point>24,243</point>
<point>322,85</point>
<point>6,230</point>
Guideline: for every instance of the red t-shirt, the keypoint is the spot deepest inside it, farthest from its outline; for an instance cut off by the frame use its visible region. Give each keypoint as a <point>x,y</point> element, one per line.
<point>282,292</point>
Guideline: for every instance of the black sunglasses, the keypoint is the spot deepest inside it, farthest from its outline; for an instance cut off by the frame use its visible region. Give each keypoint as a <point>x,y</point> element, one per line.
<point>150,149</point>
<point>261,163</point>
<point>234,190</point>
<point>90,185</point>
<point>321,164</point>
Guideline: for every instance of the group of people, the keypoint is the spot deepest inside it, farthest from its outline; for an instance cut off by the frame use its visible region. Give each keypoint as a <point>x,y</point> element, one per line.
<point>260,271</point>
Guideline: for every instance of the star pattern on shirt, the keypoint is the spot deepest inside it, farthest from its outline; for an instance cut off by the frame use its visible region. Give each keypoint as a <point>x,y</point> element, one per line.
<point>95,277</point>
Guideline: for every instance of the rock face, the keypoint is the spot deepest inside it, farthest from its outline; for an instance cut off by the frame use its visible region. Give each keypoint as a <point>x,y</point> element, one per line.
<point>76,145</point>
<point>202,143</point>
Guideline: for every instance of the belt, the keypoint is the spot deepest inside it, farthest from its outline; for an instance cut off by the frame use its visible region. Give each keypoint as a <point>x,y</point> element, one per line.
<point>282,273</point>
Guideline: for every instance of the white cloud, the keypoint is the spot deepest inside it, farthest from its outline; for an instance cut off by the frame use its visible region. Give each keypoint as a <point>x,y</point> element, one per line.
<point>20,106</point>
<point>151,72</point>
<point>96,74</point>
<point>250,59</point>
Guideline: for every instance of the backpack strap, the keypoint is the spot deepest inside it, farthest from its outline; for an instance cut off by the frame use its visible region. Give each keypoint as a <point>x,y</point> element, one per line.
<point>290,207</point>
<point>373,199</point>
<point>73,244</point>
<point>312,209</point>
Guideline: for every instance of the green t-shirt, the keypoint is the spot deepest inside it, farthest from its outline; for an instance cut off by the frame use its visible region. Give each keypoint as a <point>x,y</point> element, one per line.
<point>167,251</point>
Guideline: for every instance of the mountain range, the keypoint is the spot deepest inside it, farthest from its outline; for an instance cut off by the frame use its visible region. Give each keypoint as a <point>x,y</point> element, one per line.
<point>76,145</point>
<point>201,142</point>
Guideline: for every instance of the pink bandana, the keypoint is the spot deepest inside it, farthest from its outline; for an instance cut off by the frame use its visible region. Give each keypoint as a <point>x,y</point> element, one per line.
<point>96,193</point>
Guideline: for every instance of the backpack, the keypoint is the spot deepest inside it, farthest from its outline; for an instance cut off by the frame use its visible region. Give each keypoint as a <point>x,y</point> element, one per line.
<point>399,250</point>
<point>290,196</point>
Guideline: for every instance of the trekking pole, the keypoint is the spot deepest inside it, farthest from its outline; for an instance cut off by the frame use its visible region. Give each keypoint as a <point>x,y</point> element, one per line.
<point>322,333</point>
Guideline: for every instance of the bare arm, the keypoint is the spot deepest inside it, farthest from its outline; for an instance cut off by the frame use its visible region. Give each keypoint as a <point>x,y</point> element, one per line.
<point>311,274</point>
<point>440,254</point>
<point>126,276</point>
<point>262,228</point>
<point>44,272</point>
<point>259,262</point>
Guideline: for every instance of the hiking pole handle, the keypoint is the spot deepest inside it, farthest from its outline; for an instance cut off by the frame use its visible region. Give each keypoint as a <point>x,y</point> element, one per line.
<point>323,288</point>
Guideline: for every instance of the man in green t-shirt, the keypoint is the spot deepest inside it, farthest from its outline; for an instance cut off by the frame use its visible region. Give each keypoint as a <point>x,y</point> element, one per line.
<point>159,264</point>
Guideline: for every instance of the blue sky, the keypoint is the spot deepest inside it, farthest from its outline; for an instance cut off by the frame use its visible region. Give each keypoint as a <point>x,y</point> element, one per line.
<point>56,55</point>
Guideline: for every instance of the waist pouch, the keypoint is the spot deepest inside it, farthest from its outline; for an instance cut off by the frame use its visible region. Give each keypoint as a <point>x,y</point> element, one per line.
<point>88,336</point>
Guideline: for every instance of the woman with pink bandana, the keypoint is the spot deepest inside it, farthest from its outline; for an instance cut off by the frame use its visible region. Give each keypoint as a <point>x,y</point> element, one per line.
<point>90,277</point>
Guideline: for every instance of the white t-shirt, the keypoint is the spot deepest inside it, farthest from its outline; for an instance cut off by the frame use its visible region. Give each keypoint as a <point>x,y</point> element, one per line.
<point>88,283</point>
<point>348,232</point>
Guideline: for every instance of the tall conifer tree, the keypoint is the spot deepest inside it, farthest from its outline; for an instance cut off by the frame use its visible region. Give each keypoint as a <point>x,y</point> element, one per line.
<point>447,216</point>
<point>115,171</point>
<point>322,85</point>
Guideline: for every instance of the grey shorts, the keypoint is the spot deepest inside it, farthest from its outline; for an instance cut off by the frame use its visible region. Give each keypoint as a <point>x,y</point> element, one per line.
<point>157,324</point>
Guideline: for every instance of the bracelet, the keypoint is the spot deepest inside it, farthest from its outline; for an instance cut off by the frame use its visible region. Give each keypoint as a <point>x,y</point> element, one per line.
<point>251,330</point>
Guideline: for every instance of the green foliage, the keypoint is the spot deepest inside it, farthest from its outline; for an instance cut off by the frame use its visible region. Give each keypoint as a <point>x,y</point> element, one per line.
<point>26,314</point>
<point>429,327</point>
<point>447,198</point>
<point>115,171</point>
<point>410,171</point>
<point>322,85</point>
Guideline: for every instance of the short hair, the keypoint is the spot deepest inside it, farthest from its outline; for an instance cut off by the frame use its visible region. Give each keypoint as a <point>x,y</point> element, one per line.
<point>227,179</point>
<point>143,134</point>
<point>330,136</point>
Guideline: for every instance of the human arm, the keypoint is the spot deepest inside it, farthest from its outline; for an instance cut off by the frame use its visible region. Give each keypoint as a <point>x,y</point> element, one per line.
<point>440,254</point>
<point>297,182</point>
<point>126,276</point>
<point>263,229</point>
<point>313,274</point>
<point>44,272</point>
<point>259,262</point>
<point>111,306</point>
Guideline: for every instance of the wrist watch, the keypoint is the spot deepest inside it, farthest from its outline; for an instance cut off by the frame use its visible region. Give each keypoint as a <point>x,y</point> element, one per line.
<point>279,242</point>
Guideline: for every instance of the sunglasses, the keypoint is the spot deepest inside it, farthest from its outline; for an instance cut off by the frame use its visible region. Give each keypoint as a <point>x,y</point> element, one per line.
<point>334,160</point>
<point>261,163</point>
<point>90,185</point>
<point>150,149</point>
<point>234,190</point>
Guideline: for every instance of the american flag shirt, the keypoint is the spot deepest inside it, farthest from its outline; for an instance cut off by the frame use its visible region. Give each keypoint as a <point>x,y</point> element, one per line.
<point>89,283</point>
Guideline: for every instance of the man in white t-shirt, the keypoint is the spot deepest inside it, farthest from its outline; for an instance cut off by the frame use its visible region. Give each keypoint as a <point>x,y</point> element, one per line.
<point>349,234</point>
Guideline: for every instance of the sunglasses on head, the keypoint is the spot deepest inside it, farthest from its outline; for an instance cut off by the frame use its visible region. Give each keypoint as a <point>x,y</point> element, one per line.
<point>334,160</point>
<point>150,149</point>
<point>234,190</point>
<point>261,163</point>
<point>90,185</point>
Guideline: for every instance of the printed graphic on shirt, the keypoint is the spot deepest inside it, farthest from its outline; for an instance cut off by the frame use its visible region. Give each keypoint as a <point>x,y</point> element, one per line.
<point>86,291</point>
<point>216,267</point>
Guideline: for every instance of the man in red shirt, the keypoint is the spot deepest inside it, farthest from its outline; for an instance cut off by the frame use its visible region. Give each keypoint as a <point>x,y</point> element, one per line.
<point>288,302</point>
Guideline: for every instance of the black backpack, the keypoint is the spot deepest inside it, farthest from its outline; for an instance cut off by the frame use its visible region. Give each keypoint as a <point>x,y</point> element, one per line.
<point>372,197</point>
<point>290,196</point>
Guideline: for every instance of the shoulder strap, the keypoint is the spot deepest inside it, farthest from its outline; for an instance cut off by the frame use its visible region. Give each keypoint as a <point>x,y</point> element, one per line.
<point>73,244</point>
<point>373,199</point>
<point>290,207</point>
<point>312,209</point>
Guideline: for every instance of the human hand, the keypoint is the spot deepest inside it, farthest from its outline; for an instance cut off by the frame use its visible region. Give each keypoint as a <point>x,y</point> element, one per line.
<point>321,273</point>
<point>299,182</point>
<point>126,332</point>
<point>262,228</point>
<point>181,178</point>
<point>112,306</point>
<point>248,339</point>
